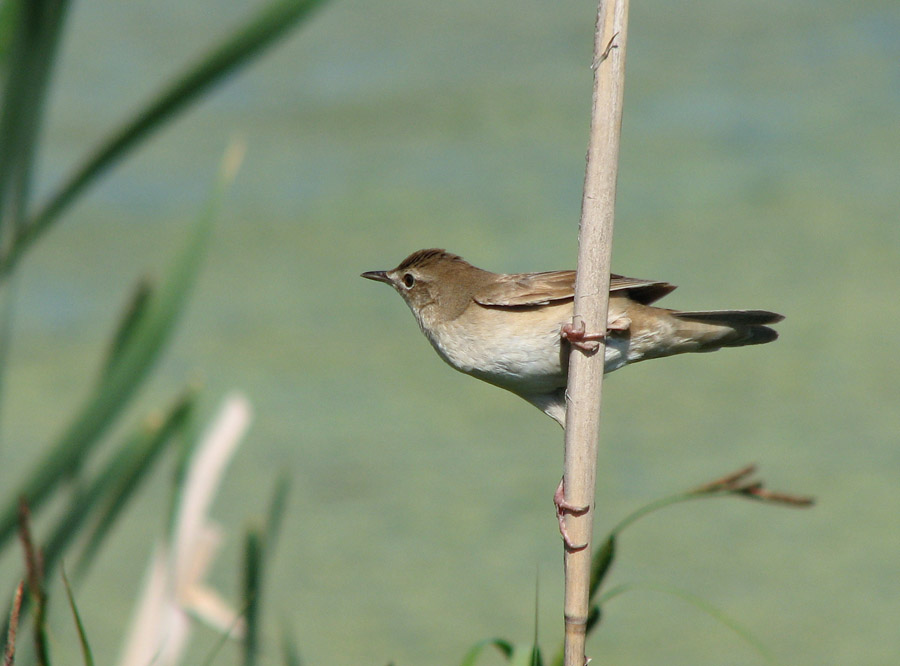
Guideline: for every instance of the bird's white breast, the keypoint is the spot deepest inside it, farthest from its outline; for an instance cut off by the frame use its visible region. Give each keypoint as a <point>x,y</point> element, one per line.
<point>517,350</point>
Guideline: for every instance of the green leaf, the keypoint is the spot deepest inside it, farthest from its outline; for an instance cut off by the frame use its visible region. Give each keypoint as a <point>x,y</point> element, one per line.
<point>9,16</point>
<point>604,556</point>
<point>128,324</point>
<point>34,577</point>
<point>526,655</point>
<point>595,614</point>
<point>258,545</point>
<point>505,647</point>
<point>37,26</point>
<point>253,564</point>
<point>82,636</point>
<point>275,512</point>
<point>132,365</point>
<point>110,490</point>
<point>258,33</point>
<point>601,562</point>
<point>290,653</point>
<point>7,310</point>
<point>720,616</point>
<point>118,482</point>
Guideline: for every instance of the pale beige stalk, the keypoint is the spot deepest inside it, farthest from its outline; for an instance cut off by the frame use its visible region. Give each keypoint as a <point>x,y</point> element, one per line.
<point>591,304</point>
<point>176,590</point>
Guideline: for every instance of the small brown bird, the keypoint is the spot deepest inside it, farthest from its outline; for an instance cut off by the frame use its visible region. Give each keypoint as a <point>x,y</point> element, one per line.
<point>508,329</point>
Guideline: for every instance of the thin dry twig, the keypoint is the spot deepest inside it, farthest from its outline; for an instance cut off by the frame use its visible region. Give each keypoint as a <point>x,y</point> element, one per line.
<point>740,483</point>
<point>9,656</point>
<point>757,492</point>
<point>34,561</point>
<point>34,568</point>
<point>727,481</point>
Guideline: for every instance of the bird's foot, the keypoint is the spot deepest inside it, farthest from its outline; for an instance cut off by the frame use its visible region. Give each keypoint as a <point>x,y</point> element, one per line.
<point>562,508</point>
<point>578,337</point>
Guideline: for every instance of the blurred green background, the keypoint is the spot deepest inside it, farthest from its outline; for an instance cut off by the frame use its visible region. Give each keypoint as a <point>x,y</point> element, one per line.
<point>759,169</point>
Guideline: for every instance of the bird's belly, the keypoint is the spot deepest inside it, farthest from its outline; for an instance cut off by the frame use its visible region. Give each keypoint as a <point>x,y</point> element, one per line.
<point>531,362</point>
<point>523,363</point>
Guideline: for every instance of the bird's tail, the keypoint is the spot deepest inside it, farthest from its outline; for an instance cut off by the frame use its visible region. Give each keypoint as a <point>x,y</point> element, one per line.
<point>714,329</point>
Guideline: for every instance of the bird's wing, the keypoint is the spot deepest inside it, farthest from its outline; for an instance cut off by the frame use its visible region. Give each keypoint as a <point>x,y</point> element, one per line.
<point>531,289</point>
<point>642,291</point>
<point>524,289</point>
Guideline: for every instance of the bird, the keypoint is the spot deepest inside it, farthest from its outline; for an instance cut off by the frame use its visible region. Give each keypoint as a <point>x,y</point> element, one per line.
<point>516,331</point>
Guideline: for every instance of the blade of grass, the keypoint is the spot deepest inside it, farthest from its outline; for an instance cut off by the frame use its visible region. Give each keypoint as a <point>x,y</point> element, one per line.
<point>132,365</point>
<point>526,655</point>
<point>122,477</point>
<point>258,545</point>
<point>505,647</point>
<point>34,568</point>
<point>745,634</point>
<point>185,453</point>
<point>258,33</point>
<point>9,15</point>
<point>30,32</point>
<point>86,654</point>
<point>289,652</point>
<point>736,484</point>
<point>129,322</point>
<point>111,488</point>
<point>252,571</point>
<point>37,29</point>
<point>536,661</point>
<point>601,563</point>
<point>7,309</point>
<point>275,512</point>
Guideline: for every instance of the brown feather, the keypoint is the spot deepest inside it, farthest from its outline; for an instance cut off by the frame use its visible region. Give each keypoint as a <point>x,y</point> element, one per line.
<point>531,289</point>
<point>422,258</point>
<point>527,289</point>
<point>731,317</point>
<point>641,291</point>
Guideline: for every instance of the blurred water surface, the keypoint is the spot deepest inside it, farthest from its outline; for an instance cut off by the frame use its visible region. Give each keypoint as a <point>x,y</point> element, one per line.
<point>759,169</point>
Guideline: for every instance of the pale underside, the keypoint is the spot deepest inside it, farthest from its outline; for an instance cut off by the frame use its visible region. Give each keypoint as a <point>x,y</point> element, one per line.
<point>520,349</point>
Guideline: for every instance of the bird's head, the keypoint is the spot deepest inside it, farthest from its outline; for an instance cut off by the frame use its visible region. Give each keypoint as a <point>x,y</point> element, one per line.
<point>436,284</point>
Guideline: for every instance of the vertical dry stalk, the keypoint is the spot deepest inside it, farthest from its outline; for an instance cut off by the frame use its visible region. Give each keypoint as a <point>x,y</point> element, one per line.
<point>9,656</point>
<point>591,303</point>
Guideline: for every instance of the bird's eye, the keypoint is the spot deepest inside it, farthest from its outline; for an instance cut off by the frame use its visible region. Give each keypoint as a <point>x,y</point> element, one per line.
<point>409,280</point>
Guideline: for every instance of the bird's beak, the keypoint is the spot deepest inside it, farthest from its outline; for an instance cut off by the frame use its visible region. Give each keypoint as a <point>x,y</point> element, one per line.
<point>378,276</point>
